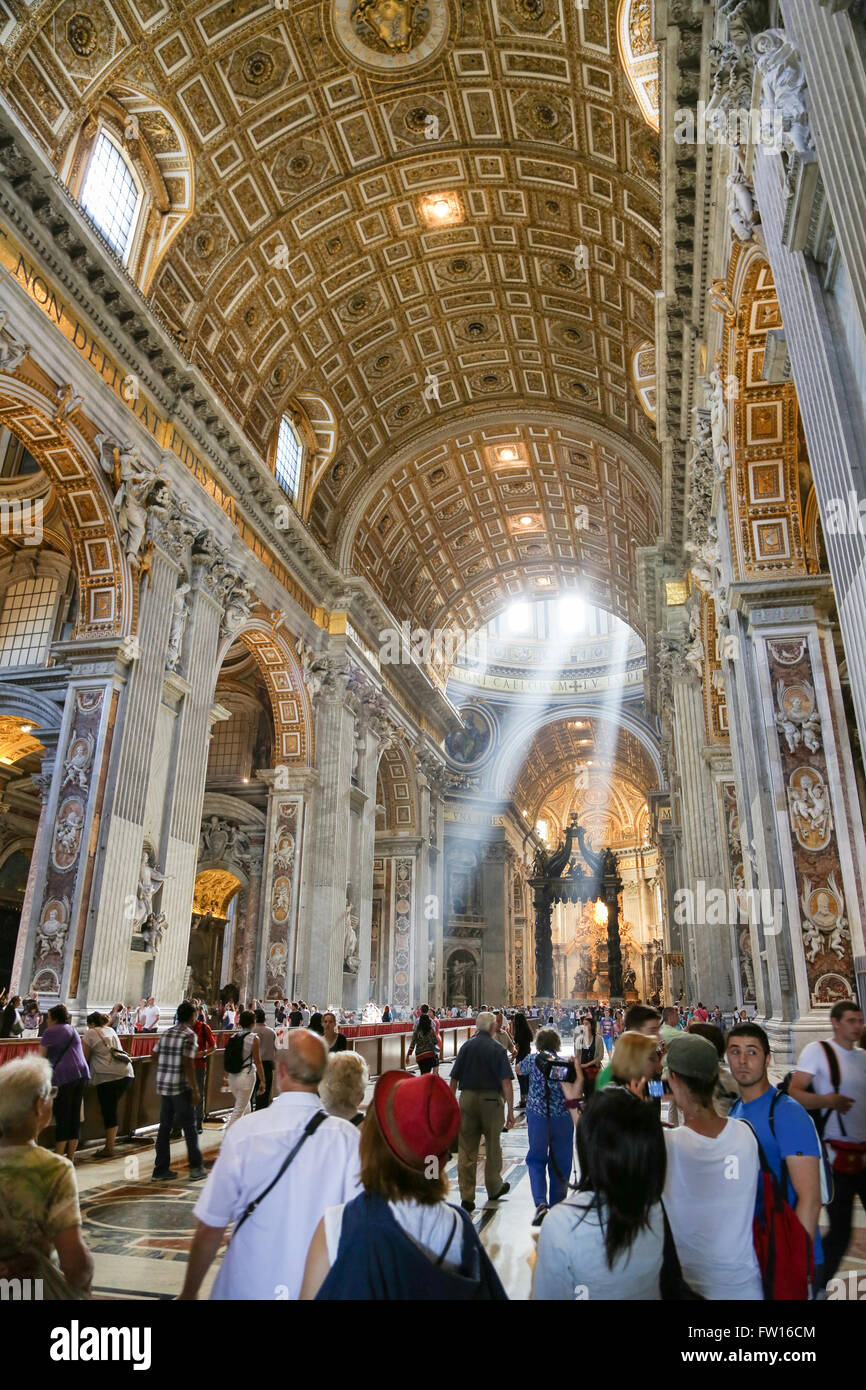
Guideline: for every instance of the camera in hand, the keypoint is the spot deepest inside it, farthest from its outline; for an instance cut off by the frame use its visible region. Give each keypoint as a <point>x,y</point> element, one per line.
<point>556,1068</point>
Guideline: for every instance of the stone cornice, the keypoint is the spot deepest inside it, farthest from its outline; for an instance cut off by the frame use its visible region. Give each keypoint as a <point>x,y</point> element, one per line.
<point>49,220</point>
<point>680,29</point>
<point>756,599</point>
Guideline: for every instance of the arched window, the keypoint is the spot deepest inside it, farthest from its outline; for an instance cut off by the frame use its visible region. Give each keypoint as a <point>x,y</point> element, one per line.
<point>27,621</point>
<point>111,196</point>
<point>130,166</point>
<point>288,459</point>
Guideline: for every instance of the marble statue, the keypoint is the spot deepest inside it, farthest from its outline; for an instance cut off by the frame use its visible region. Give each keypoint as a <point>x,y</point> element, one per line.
<point>351,959</point>
<point>214,839</point>
<point>695,653</point>
<point>238,604</point>
<point>741,206</point>
<point>150,880</point>
<point>153,930</point>
<point>719,422</point>
<point>784,87</point>
<point>459,974</point>
<point>12,353</point>
<point>179,619</point>
<point>239,844</point>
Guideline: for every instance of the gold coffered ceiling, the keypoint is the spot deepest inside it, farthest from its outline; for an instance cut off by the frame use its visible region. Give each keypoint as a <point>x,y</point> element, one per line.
<point>320,135</point>
<point>615,775</point>
<point>499,513</point>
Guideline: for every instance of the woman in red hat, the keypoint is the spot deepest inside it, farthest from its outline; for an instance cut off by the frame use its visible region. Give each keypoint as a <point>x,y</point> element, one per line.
<point>400,1239</point>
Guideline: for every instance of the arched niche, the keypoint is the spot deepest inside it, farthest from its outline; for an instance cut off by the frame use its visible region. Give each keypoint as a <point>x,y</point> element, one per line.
<point>64,450</point>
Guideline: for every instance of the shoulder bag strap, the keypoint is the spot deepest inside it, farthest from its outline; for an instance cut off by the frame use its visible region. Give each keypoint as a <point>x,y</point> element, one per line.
<point>783,1170</point>
<point>309,1130</point>
<point>835,1078</point>
<point>63,1051</point>
<point>454,1230</point>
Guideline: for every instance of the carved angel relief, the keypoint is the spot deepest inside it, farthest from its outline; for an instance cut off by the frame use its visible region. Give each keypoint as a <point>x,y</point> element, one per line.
<point>798,719</point>
<point>809,808</point>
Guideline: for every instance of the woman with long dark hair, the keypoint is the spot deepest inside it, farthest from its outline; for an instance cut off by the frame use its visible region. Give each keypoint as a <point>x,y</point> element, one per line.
<point>522,1035</point>
<point>423,1044</point>
<point>588,1043</point>
<point>606,1241</point>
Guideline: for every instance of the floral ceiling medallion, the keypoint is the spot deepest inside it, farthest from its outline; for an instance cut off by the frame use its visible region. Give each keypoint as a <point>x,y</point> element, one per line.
<point>388,34</point>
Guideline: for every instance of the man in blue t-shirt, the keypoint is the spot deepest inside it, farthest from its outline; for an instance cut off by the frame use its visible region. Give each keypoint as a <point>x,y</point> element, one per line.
<point>783,1127</point>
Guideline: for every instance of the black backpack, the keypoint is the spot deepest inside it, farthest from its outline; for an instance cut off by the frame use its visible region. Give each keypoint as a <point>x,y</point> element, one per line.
<point>820,1117</point>
<point>233,1061</point>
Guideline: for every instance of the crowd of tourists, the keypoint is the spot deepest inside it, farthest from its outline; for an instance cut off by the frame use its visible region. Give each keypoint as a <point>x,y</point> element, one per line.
<point>666,1165</point>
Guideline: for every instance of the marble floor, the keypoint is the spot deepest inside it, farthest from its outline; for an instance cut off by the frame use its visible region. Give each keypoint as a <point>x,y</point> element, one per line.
<point>140,1232</point>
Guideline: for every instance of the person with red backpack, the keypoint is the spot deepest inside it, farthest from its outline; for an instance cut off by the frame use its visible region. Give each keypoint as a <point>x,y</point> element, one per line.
<point>713,1166</point>
<point>792,1151</point>
<point>830,1081</point>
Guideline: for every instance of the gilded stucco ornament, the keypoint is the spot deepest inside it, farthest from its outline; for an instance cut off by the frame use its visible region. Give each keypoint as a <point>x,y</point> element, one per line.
<point>389,34</point>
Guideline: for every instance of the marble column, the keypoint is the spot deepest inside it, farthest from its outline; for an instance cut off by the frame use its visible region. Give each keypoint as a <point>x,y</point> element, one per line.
<point>498,859</point>
<point>52,934</point>
<point>42,781</point>
<point>139,752</point>
<point>428,972</point>
<point>184,723</point>
<point>372,734</point>
<point>708,937</point>
<point>276,924</point>
<point>823,333</point>
<point>679,977</point>
<point>320,953</point>
<point>804,832</point>
<point>248,928</point>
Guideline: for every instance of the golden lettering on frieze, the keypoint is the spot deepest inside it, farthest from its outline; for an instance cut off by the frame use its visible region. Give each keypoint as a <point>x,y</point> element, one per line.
<point>472,817</point>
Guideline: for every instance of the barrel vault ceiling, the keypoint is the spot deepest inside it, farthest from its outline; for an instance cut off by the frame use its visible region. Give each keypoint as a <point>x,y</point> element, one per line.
<point>387,193</point>
<point>590,767</point>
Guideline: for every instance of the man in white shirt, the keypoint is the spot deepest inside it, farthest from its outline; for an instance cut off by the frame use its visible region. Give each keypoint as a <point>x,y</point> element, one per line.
<point>842,1103</point>
<point>712,1180</point>
<point>151,1016</point>
<point>266,1257</point>
<point>305,1014</point>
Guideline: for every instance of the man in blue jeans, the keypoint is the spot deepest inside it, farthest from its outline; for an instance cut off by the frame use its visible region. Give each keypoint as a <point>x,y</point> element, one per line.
<point>550,1126</point>
<point>785,1130</point>
<point>176,1083</point>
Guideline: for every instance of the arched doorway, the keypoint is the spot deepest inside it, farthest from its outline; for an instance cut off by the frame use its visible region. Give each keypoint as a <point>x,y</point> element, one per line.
<point>211,935</point>
<point>463,977</point>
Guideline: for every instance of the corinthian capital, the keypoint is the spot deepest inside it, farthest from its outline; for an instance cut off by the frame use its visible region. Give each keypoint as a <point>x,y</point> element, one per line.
<point>327,678</point>
<point>431,765</point>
